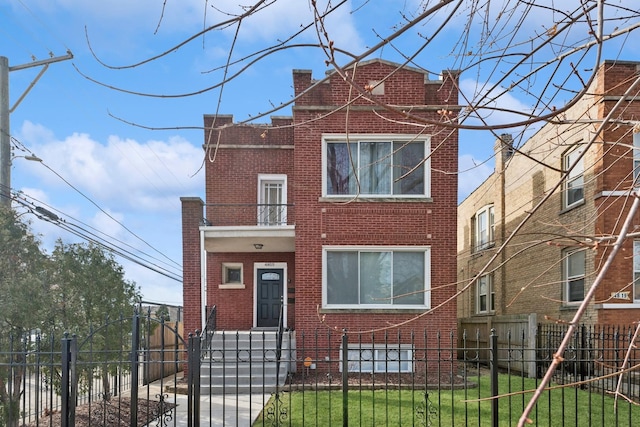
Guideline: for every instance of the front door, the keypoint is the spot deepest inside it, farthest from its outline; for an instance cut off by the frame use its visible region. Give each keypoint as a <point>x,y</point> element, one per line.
<point>270,283</point>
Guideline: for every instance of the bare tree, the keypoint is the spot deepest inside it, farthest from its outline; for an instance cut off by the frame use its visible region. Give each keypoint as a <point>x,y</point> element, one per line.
<point>525,64</point>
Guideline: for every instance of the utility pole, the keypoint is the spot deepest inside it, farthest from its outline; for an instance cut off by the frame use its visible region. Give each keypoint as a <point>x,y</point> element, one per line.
<point>5,111</point>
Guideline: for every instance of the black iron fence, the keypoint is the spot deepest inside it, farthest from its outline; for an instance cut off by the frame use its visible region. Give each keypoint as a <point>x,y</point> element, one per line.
<point>323,378</point>
<point>101,379</point>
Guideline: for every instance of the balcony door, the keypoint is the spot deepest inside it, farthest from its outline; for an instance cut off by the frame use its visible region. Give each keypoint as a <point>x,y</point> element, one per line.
<point>272,199</point>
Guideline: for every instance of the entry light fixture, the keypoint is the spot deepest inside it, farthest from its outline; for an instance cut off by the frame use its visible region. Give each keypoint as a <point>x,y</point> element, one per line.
<point>258,246</point>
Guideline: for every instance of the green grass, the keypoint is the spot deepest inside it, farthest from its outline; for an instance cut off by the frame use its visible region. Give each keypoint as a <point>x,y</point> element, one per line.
<point>558,407</point>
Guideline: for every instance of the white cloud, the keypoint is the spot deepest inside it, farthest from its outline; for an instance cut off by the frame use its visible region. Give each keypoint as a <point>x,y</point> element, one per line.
<point>130,197</point>
<point>107,222</point>
<point>503,101</point>
<point>473,172</point>
<point>122,173</point>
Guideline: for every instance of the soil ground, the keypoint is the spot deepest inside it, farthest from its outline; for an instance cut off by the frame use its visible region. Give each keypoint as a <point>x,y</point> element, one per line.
<point>115,412</point>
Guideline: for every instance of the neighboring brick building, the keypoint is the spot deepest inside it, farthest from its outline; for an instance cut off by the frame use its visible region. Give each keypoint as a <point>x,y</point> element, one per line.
<point>287,218</point>
<point>549,265</point>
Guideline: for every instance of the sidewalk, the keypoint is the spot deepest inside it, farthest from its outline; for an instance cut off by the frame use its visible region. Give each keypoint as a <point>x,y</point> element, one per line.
<point>216,410</point>
<point>221,410</point>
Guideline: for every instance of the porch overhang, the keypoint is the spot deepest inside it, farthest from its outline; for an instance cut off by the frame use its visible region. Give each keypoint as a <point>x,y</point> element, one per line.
<point>249,238</point>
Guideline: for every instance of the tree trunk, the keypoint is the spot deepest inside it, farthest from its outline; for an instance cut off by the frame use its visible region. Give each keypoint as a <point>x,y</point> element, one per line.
<point>105,384</point>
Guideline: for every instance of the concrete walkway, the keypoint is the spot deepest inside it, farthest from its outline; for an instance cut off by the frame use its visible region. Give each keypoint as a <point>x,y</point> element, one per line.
<point>216,410</point>
<point>221,410</point>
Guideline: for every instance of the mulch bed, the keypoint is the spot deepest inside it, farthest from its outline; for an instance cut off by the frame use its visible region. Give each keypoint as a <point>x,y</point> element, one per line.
<point>116,412</point>
<point>388,381</point>
<point>323,381</point>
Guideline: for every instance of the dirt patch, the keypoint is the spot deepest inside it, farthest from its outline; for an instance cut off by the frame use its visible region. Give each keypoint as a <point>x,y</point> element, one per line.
<point>115,412</point>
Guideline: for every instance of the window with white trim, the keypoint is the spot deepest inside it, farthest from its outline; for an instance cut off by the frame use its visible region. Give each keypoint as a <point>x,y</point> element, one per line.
<point>373,277</point>
<point>636,159</point>
<point>636,271</point>
<point>272,199</point>
<point>376,166</point>
<point>368,358</point>
<point>574,276</point>
<point>232,273</point>
<point>574,182</point>
<point>483,228</point>
<point>485,296</point>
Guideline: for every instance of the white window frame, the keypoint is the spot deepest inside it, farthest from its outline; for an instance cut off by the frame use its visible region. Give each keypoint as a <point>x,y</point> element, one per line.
<point>489,294</point>
<point>378,358</point>
<point>384,306</point>
<point>484,223</point>
<point>226,266</point>
<point>364,138</point>
<point>635,288</point>
<point>636,159</point>
<point>575,179</point>
<point>263,217</point>
<point>569,278</point>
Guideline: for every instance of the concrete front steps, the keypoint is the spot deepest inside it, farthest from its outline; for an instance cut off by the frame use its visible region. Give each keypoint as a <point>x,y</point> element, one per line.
<point>245,362</point>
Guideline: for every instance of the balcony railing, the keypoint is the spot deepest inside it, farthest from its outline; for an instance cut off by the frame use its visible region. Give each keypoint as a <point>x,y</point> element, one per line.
<point>267,215</point>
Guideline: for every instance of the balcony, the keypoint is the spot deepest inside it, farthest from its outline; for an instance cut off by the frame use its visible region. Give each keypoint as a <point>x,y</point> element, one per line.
<point>249,228</point>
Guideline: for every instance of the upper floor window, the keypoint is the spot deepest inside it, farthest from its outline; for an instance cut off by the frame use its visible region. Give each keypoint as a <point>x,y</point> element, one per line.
<point>485,297</point>
<point>272,199</point>
<point>574,275</point>
<point>636,271</point>
<point>483,228</point>
<point>376,166</point>
<point>636,159</point>
<point>574,182</point>
<point>373,277</point>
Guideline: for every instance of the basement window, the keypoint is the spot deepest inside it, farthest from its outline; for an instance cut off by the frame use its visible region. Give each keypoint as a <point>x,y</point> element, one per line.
<point>378,358</point>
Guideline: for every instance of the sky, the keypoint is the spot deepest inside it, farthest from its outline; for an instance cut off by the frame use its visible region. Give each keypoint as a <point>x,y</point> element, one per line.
<point>119,126</point>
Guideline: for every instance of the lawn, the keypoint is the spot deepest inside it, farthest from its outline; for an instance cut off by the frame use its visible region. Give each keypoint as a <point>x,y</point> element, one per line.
<point>567,406</point>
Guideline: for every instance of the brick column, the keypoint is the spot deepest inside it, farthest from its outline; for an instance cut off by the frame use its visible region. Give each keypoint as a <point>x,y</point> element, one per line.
<point>192,214</point>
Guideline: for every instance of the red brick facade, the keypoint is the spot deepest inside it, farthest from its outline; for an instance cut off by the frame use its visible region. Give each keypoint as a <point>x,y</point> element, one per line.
<point>293,147</point>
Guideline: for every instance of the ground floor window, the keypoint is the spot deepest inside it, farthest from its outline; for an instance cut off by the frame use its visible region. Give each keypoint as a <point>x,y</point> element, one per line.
<point>232,275</point>
<point>636,271</point>
<point>574,275</point>
<point>485,297</point>
<point>373,277</point>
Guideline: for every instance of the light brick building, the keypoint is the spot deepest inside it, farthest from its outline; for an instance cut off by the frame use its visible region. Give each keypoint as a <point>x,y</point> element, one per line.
<point>552,261</point>
<point>357,235</point>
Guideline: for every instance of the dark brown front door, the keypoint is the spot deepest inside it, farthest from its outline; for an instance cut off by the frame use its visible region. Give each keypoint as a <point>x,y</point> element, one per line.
<point>270,284</point>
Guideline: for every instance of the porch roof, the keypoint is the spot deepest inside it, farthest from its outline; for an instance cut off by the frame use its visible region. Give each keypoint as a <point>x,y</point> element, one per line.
<point>249,238</point>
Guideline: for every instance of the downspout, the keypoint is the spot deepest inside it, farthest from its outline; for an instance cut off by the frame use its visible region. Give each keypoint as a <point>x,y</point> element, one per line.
<point>506,151</point>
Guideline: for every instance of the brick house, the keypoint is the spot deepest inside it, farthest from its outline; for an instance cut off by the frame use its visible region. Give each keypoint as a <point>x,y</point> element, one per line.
<point>552,261</point>
<point>286,219</point>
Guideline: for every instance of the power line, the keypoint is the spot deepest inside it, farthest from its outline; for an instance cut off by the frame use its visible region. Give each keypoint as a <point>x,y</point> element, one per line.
<point>16,141</point>
<point>47,212</point>
<point>49,216</point>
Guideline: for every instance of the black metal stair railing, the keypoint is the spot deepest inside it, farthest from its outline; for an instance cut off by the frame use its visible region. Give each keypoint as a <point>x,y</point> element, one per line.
<point>209,328</point>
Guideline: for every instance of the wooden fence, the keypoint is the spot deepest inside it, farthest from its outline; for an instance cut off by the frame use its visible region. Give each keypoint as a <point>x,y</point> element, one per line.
<point>514,332</point>
<point>164,351</point>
